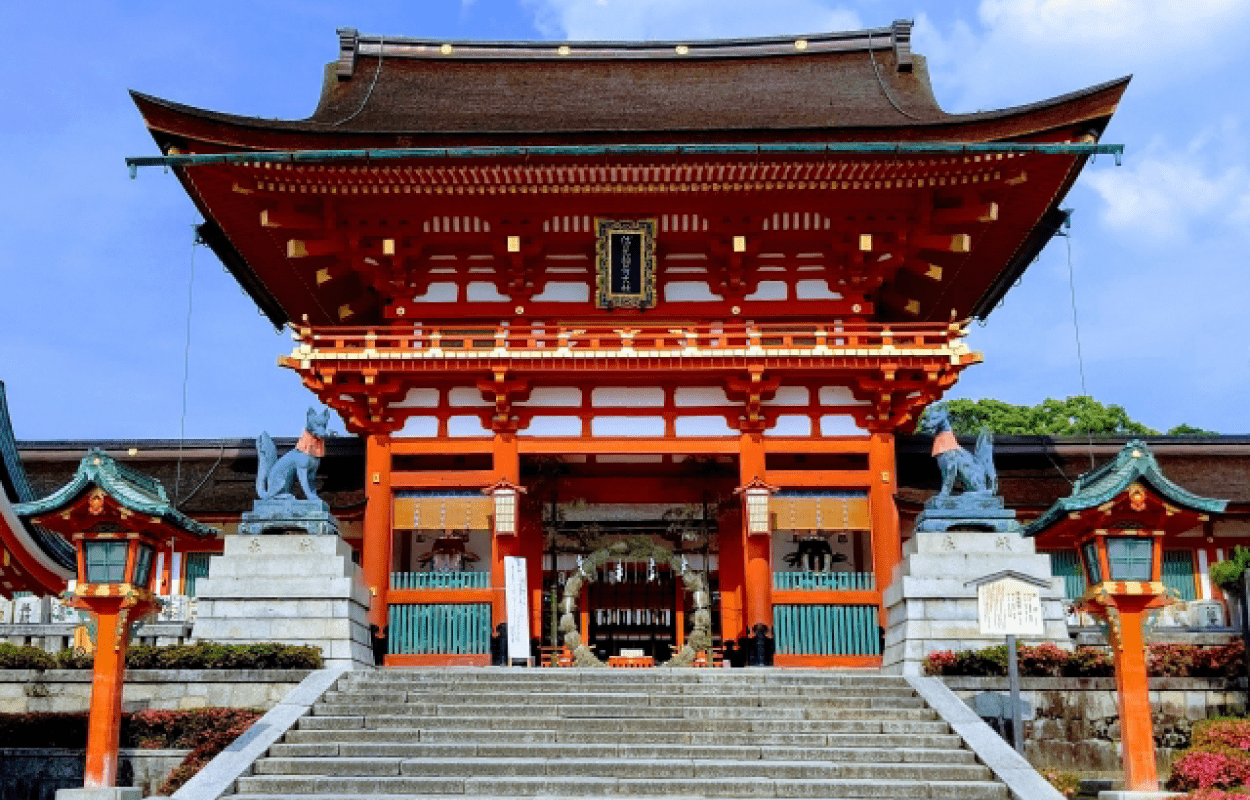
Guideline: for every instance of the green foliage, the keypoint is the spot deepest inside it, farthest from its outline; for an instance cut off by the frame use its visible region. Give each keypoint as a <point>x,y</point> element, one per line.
<point>1074,416</point>
<point>206,655</point>
<point>13,656</point>
<point>1066,783</point>
<point>1227,574</point>
<point>1185,429</point>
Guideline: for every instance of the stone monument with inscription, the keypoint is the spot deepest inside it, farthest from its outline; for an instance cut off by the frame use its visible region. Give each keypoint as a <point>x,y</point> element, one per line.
<point>959,539</point>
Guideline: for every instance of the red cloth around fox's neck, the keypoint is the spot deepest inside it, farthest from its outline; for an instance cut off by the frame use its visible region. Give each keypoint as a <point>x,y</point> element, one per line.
<point>943,442</point>
<point>311,445</point>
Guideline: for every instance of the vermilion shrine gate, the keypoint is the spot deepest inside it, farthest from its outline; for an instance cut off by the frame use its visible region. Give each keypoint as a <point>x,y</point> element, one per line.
<point>631,278</point>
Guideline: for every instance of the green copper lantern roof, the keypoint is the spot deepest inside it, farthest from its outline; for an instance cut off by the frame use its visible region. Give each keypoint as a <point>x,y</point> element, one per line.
<point>133,490</point>
<point>1134,463</point>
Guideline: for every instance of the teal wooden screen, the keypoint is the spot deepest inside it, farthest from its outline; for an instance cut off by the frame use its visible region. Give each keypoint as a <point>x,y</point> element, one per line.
<point>440,580</point>
<point>1178,573</point>
<point>439,629</point>
<point>826,630</point>
<point>1066,564</point>
<point>844,581</point>
<point>197,567</point>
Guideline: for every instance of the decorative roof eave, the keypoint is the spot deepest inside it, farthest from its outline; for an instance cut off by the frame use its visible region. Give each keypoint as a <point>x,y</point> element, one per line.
<point>129,489</point>
<point>1133,463</point>
<point>1091,108</point>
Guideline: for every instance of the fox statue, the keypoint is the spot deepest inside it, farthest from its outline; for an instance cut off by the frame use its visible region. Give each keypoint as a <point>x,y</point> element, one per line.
<point>975,470</point>
<point>274,476</point>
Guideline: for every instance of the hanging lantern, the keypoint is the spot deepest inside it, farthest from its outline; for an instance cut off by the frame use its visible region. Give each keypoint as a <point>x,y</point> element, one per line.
<point>755,507</point>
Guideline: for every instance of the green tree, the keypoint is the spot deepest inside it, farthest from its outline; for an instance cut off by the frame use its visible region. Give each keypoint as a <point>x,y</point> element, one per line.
<point>1073,416</point>
<point>1189,430</point>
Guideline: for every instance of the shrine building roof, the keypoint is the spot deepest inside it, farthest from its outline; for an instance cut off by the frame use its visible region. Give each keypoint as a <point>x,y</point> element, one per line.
<point>33,558</point>
<point>862,85</point>
<point>130,489</point>
<point>1132,464</point>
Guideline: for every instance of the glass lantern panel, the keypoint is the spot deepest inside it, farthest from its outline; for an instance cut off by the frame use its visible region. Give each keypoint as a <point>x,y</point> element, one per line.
<point>106,562</point>
<point>143,566</point>
<point>1129,557</point>
<point>1089,554</point>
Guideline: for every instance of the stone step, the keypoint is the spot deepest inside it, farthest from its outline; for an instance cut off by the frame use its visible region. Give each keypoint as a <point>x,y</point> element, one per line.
<point>640,724</point>
<point>581,786</point>
<point>371,683</point>
<point>623,711</point>
<point>562,679</point>
<point>657,768</point>
<point>882,699</point>
<point>881,753</point>
<point>699,738</point>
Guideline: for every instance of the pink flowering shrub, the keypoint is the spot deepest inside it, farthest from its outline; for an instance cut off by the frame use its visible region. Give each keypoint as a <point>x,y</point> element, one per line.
<point>1206,769</point>
<point>1049,661</point>
<point>1216,794</point>
<point>1222,732</point>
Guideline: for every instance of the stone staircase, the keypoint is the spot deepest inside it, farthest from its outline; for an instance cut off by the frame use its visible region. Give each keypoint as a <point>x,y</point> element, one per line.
<point>640,733</point>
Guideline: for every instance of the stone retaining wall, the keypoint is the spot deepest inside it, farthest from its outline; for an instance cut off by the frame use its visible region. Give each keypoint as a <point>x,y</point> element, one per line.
<point>1077,725</point>
<point>24,691</point>
<point>36,773</point>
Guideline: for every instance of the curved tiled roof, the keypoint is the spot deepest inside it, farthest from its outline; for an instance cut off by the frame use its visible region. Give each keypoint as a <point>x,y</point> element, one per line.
<point>861,85</point>
<point>130,489</point>
<point>1134,463</point>
<point>15,487</point>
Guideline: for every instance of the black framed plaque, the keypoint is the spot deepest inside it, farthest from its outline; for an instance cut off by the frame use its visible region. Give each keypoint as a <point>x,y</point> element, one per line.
<point>625,263</point>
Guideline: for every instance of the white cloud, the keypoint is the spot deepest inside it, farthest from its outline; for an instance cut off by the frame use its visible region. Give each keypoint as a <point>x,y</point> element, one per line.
<point>1163,196</point>
<point>1036,48</point>
<point>694,19</point>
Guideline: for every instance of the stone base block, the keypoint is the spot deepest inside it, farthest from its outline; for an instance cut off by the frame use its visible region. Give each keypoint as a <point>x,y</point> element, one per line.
<point>932,603</point>
<point>299,590</point>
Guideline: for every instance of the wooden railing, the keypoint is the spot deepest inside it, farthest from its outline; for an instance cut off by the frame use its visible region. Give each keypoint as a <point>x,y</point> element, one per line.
<point>561,340</point>
<point>826,581</point>
<point>439,629</point>
<point>440,580</point>
<point>827,630</point>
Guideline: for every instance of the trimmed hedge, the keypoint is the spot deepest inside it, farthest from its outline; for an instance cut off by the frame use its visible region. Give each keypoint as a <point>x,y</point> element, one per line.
<point>1049,661</point>
<point>204,655</point>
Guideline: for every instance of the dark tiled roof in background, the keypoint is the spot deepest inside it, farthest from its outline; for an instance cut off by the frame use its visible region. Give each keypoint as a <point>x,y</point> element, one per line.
<point>15,484</point>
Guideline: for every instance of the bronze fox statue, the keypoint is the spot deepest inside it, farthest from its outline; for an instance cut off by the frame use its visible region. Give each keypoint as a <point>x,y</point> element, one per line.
<point>275,476</point>
<point>974,470</point>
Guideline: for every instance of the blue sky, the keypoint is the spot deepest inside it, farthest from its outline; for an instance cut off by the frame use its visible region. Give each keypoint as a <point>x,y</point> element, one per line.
<point>96,267</point>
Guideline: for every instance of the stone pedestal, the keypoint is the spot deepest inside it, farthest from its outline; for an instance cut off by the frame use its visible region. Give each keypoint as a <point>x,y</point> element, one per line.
<point>931,605</point>
<point>300,590</point>
<point>286,515</point>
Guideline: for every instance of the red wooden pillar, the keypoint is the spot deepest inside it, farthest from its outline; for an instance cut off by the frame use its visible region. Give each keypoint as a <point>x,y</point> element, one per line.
<point>105,716</point>
<point>1133,695</point>
<point>507,467</point>
<point>376,548</point>
<point>887,548</point>
<point>756,550</point>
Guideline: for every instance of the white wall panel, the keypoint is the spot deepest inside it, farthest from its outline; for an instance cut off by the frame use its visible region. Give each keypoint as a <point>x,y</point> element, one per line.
<point>838,396</point>
<point>701,396</point>
<point>627,397</point>
<point>466,396</point>
<point>553,426</point>
<point>627,426</point>
<point>483,292</point>
<point>419,426</point>
<point>704,426</point>
<point>814,290</point>
<point>554,397</point>
<point>791,425</point>
<point>770,290</point>
<point>790,396</point>
<point>563,292</point>
<point>689,292</point>
<point>419,398</point>
<point>839,425</point>
<point>466,426</point>
<point>438,293</point>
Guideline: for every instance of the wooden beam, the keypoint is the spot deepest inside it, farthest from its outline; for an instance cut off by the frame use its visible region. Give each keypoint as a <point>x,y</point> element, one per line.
<point>463,479</point>
<point>805,478</point>
<point>985,212</point>
<point>947,243</point>
<point>310,248</point>
<point>286,218</point>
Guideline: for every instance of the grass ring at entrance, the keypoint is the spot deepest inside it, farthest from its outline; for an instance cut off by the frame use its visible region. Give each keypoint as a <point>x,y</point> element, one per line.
<point>700,637</point>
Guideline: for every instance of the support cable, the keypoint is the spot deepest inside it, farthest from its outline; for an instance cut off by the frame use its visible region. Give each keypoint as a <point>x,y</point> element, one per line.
<point>1076,331</point>
<point>196,241</point>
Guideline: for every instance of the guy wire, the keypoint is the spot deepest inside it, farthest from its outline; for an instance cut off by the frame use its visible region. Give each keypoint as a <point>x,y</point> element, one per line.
<point>1080,361</point>
<point>186,367</point>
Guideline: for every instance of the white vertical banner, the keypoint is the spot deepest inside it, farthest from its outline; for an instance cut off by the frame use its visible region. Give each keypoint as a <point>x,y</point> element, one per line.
<point>516,592</point>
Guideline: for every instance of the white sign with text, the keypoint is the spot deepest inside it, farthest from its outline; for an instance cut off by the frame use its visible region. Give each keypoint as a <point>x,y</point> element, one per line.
<point>517,593</point>
<point>1009,607</point>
